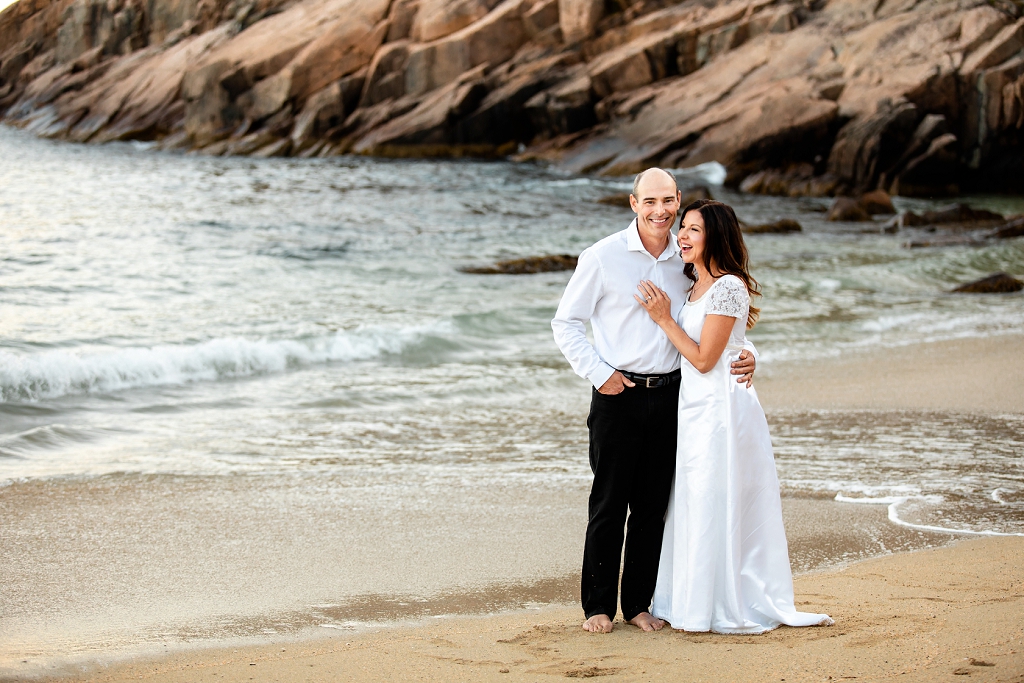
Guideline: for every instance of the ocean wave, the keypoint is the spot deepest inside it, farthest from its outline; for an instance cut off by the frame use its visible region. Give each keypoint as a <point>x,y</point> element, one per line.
<point>894,502</point>
<point>18,446</point>
<point>52,374</point>
<point>711,172</point>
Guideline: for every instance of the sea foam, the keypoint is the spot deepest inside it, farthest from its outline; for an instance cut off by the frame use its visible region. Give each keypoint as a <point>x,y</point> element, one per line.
<point>52,374</point>
<point>894,502</point>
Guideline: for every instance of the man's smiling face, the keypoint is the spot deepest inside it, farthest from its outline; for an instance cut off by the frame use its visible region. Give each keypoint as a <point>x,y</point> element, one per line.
<point>657,204</point>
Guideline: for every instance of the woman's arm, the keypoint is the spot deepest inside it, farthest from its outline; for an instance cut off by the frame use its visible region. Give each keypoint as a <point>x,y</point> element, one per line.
<point>713,337</point>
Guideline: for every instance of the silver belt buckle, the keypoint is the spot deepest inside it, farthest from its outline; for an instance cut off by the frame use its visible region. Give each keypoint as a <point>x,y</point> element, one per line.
<point>648,381</point>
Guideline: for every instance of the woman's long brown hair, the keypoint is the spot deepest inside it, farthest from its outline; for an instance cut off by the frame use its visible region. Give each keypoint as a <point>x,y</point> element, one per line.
<point>724,247</point>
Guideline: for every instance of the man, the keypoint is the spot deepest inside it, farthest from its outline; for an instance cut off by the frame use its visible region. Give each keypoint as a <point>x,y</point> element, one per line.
<point>633,413</point>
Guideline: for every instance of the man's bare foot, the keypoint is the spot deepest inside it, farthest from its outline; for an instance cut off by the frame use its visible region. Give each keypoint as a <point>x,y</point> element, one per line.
<point>599,623</point>
<point>647,622</point>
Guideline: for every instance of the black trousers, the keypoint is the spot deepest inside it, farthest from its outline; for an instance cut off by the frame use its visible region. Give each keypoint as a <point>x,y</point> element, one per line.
<point>633,456</point>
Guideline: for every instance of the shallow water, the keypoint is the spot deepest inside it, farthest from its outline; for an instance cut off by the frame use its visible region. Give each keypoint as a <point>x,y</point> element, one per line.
<point>163,313</point>
<point>300,321</point>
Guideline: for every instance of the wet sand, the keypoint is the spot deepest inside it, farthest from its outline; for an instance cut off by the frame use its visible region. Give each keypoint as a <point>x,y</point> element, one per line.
<point>966,376</point>
<point>930,615</point>
<point>115,568</point>
<point>101,576</point>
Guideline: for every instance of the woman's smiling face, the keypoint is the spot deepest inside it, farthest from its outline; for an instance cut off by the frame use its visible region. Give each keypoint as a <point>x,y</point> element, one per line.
<point>691,237</point>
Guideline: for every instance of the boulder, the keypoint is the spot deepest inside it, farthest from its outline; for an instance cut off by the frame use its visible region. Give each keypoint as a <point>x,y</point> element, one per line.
<point>385,76</point>
<point>978,26</point>
<point>281,148</point>
<point>997,283</point>
<point>796,181</point>
<point>439,18</point>
<point>1008,42</point>
<point>322,112</point>
<point>621,199</point>
<point>136,97</point>
<point>1013,228</point>
<point>492,40</point>
<point>15,60</point>
<point>781,226</point>
<point>401,18</point>
<point>285,57</point>
<point>342,49</point>
<point>932,174</point>
<point>501,116</point>
<point>692,194</point>
<point>579,18</point>
<point>430,123</point>
<point>744,109</point>
<point>870,145</point>
<point>779,182</point>
<point>847,209</point>
<point>954,213</point>
<point>946,241</point>
<point>794,98</point>
<point>247,144</point>
<point>541,17</point>
<point>363,120</point>
<point>563,109</point>
<point>877,202</point>
<point>527,266</point>
<point>633,65</point>
<point>930,127</point>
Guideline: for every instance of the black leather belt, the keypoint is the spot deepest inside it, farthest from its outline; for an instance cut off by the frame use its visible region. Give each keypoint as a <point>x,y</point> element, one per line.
<point>651,381</point>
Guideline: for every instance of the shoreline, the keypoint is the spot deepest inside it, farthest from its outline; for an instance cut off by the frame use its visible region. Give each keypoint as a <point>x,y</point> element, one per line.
<point>976,375</point>
<point>911,616</point>
<point>123,593</point>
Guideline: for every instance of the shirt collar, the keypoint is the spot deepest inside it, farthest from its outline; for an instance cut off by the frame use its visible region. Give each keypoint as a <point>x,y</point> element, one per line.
<point>634,243</point>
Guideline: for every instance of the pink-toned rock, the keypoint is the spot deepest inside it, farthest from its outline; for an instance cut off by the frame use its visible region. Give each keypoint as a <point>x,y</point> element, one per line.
<point>564,109</point>
<point>579,18</point>
<point>847,209</point>
<point>305,54</point>
<point>492,40</point>
<point>635,64</point>
<point>877,202</point>
<point>401,17</point>
<point>323,110</point>
<point>542,16</point>
<point>933,173</point>
<point>439,18</point>
<point>870,144</point>
<point>1005,44</point>
<point>430,123</point>
<point>270,45</point>
<point>794,97</point>
<point>343,48</point>
<point>385,76</point>
<point>978,26</point>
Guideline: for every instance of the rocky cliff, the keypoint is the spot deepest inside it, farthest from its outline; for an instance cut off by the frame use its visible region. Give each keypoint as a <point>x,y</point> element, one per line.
<point>798,97</point>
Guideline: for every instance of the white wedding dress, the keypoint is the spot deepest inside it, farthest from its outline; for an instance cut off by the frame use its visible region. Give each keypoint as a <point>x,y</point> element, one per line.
<point>724,557</point>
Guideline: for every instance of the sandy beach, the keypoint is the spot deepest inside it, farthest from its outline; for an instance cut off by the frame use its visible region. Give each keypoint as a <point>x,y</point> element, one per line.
<point>930,615</point>
<point>964,376</point>
<point>924,606</point>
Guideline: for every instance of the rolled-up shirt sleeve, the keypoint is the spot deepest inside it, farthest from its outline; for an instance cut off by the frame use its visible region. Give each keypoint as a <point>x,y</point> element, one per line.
<point>570,322</point>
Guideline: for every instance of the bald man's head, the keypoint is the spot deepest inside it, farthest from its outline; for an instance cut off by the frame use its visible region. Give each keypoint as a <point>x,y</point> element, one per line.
<point>655,200</point>
<point>654,171</point>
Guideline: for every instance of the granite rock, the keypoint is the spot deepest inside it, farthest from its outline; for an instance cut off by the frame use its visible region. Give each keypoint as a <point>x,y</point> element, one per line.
<point>795,98</point>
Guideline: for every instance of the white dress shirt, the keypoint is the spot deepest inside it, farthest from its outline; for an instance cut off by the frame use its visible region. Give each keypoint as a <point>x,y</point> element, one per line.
<point>601,291</point>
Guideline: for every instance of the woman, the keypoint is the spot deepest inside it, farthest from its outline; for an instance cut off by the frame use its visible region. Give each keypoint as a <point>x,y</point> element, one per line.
<point>724,558</point>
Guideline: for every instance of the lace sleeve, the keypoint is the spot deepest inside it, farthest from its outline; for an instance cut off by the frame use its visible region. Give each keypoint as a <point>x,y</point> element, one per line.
<point>729,297</point>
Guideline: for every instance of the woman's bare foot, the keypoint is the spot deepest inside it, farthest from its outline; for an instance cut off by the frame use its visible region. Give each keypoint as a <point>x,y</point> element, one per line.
<point>599,623</point>
<point>647,622</point>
